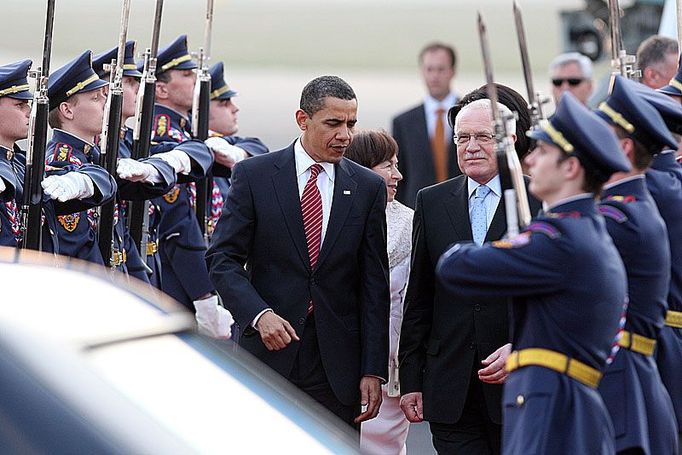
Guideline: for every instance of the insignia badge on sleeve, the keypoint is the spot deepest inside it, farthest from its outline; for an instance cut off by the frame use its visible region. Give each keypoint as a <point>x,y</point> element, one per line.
<point>520,240</point>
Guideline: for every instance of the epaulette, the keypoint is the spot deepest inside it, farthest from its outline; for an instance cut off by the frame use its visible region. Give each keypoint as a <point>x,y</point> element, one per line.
<point>618,198</point>
<point>609,211</point>
<point>543,227</point>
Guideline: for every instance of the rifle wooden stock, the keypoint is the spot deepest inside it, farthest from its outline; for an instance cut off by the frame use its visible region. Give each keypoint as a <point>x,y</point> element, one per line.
<point>31,210</point>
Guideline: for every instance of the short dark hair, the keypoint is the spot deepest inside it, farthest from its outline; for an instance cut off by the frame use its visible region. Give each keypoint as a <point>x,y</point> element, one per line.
<point>654,49</point>
<point>510,98</point>
<point>163,77</point>
<point>315,91</point>
<point>644,154</point>
<point>438,46</point>
<point>371,147</point>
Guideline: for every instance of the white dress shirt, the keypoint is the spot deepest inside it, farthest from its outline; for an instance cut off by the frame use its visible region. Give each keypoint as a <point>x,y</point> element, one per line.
<point>431,105</point>
<point>325,181</point>
<point>492,200</point>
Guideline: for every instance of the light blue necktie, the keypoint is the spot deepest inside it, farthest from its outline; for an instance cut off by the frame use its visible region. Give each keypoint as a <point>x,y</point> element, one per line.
<point>479,215</point>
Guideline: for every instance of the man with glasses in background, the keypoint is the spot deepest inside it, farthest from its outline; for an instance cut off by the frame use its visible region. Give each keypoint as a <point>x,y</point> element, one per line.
<point>571,72</point>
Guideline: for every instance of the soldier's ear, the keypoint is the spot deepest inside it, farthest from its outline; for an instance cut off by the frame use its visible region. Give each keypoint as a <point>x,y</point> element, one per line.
<point>65,110</point>
<point>161,90</point>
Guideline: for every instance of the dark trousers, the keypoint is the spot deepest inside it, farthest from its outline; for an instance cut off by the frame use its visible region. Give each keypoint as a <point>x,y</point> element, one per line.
<point>308,375</point>
<point>474,433</point>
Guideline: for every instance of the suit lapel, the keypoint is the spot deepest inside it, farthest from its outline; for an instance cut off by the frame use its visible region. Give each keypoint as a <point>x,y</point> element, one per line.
<point>457,206</point>
<point>285,188</point>
<point>422,133</point>
<point>344,193</point>
<point>498,225</point>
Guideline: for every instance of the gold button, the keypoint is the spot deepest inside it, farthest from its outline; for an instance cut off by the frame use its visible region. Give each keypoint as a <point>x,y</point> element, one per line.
<point>520,400</point>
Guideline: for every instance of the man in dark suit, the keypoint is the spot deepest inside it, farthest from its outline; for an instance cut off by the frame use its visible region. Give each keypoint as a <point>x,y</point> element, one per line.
<point>313,300</point>
<point>452,352</point>
<point>427,154</point>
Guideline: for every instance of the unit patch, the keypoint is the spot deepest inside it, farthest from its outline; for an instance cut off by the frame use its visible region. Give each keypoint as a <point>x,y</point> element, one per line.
<point>69,222</point>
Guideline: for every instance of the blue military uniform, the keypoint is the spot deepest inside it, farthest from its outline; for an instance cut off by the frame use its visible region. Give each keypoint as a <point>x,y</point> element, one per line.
<point>569,289</point>
<point>124,247</point>
<point>76,228</point>
<point>632,388</point>
<point>664,181</point>
<point>184,275</point>
<point>220,90</point>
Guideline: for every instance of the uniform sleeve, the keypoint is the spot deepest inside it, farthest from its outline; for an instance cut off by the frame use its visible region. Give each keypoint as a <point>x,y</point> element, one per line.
<point>104,184</point>
<point>251,145</point>
<point>199,154</point>
<point>10,179</point>
<point>531,263</point>
<point>141,191</point>
<point>418,307</point>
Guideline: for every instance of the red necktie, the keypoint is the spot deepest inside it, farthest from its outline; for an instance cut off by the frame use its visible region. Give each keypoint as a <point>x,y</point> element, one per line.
<point>311,207</point>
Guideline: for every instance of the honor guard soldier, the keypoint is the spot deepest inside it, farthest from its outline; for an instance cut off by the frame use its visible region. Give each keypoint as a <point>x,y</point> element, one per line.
<point>136,180</point>
<point>14,114</point>
<point>222,124</point>
<point>76,109</point>
<point>568,286</point>
<point>181,244</point>
<point>664,181</point>
<point>639,405</point>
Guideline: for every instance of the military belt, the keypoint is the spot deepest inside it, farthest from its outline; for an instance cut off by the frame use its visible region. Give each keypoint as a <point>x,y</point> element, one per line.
<point>118,257</point>
<point>152,248</point>
<point>674,319</point>
<point>637,343</point>
<point>556,361</point>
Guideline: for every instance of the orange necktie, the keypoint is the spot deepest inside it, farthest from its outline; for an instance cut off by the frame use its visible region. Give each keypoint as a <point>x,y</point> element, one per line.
<point>439,148</point>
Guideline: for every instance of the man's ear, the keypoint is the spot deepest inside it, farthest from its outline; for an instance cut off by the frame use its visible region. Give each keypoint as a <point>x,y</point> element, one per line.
<point>628,147</point>
<point>65,110</point>
<point>161,90</point>
<point>572,166</point>
<point>302,119</point>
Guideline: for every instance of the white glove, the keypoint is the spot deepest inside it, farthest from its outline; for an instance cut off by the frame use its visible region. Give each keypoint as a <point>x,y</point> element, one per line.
<point>136,171</point>
<point>3,187</point>
<point>225,153</point>
<point>213,320</point>
<point>177,159</point>
<point>72,185</point>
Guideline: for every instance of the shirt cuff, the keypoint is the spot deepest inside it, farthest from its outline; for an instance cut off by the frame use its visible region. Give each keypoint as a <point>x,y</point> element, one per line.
<point>255,320</point>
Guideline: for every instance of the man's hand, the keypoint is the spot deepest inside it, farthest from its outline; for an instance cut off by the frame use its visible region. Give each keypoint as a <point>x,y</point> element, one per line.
<point>275,332</point>
<point>370,397</point>
<point>225,153</point>
<point>135,171</point>
<point>212,319</point>
<point>494,371</point>
<point>3,187</point>
<point>412,406</point>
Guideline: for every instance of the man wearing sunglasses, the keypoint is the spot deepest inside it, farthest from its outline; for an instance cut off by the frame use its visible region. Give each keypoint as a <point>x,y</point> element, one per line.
<point>571,72</point>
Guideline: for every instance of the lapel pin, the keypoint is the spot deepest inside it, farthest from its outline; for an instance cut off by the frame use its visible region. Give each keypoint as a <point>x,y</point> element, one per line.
<point>346,191</point>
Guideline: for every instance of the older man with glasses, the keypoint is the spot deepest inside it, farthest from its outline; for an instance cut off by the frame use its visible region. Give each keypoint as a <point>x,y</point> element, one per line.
<point>571,72</point>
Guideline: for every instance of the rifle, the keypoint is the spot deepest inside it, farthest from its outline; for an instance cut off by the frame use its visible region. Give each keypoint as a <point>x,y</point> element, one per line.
<point>110,136</point>
<point>509,167</point>
<point>200,107</point>
<point>535,99</point>
<point>32,203</point>
<point>138,211</point>
<point>621,62</point>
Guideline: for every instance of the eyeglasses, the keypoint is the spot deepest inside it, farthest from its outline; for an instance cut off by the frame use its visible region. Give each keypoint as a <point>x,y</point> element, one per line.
<point>572,81</point>
<point>481,138</point>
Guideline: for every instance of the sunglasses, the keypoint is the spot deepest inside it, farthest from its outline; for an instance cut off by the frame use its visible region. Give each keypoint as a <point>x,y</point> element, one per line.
<point>572,81</point>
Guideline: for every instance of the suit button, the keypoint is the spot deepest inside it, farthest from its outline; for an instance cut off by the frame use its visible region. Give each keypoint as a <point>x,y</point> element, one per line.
<point>472,345</point>
<point>301,321</point>
<point>313,281</point>
<point>520,400</point>
<point>477,307</point>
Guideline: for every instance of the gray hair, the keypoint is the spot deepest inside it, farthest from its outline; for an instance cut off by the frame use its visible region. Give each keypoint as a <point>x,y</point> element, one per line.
<point>582,61</point>
<point>315,91</point>
<point>654,49</point>
<point>484,104</point>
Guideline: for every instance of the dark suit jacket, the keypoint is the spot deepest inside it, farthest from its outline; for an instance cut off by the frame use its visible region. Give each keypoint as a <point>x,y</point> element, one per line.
<point>415,155</point>
<point>443,339</point>
<point>262,228</point>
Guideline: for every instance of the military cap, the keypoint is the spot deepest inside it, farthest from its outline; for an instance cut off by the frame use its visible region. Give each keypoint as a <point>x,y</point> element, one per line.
<point>578,131</point>
<point>14,80</point>
<point>669,109</point>
<point>175,56</point>
<point>77,76</point>
<point>219,88</point>
<point>105,58</point>
<point>674,87</point>
<point>626,108</point>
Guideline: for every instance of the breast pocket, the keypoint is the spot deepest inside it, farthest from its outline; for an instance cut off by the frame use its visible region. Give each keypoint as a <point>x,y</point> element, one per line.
<point>525,422</point>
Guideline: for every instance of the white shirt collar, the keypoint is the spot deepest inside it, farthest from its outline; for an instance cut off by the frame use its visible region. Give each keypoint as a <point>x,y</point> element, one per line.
<point>431,103</point>
<point>494,185</point>
<point>304,161</point>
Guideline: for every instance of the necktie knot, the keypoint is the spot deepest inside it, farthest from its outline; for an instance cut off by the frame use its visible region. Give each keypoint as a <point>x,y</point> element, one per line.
<point>482,191</point>
<point>440,111</point>
<point>315,170</point>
